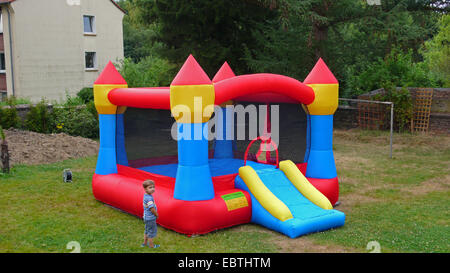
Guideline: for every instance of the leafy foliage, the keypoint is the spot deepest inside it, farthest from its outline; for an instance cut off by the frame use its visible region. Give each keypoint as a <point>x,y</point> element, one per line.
<point>86,94</point>
<point>2,134</point>
<point>437,51</point>
<point>9,117</point>
<point>213,31</point>
<point>397,69</point>
<point>76,121</point>
<point>287,36</point>
<point>403,106</point>
<point>39,119</point>
<point>150,71</point>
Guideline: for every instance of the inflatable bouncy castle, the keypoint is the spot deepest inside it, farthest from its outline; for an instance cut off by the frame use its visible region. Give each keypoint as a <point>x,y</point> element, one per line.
<point>204,184</point>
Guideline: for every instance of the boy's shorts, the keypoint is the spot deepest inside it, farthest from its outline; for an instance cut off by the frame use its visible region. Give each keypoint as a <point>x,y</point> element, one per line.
<point>150,228</point>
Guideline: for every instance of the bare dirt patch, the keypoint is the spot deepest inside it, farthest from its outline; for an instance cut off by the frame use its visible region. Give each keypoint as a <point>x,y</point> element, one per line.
<point>431,185</point>
<point>348,201</point>
<point>306,245</point>
<point>32,148</point>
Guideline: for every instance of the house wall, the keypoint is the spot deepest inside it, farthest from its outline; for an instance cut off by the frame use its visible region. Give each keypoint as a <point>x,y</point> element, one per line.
<point>49,45</point>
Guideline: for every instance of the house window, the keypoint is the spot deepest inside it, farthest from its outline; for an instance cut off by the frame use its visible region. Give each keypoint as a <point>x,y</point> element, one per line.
<point>89,24</point>
<point>2,63</point>
<point>1,21</point>
<point>91,60</point>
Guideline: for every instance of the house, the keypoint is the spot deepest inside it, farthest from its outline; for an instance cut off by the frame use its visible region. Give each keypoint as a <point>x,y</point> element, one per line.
<point>52,47</point>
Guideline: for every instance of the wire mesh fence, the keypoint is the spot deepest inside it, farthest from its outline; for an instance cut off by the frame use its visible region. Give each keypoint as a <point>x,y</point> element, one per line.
<point>374,115</point>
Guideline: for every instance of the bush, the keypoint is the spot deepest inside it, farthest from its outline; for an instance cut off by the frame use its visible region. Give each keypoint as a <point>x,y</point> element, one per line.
<point>9,117</point>
<point>13,101</point>
<point>90,106</point>
<point>86,94</point>
<point>72,100</point>
<point>39,119</point>
<point>2,134</point>
<point>397,69</point>
<point>149,72</point>
<point>403,106</point>
<point>76,121</point>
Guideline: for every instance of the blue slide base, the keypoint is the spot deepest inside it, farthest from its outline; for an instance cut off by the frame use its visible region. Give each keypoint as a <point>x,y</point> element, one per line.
<point>308,217</point>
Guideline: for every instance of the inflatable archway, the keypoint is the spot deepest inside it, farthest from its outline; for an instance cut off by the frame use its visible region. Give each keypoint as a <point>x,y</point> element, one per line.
<point>203,194</point>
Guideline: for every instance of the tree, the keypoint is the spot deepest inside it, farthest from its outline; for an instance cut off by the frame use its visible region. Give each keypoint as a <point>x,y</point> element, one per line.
<point>437,51</point>
<point>283,36</point>
<point>349,35</point>
<point>139,39</point>
<point>213,31</point>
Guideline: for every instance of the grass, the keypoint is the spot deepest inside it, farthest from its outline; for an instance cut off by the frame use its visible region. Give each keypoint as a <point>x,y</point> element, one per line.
<point>40,213</point>
<point>402,203</point>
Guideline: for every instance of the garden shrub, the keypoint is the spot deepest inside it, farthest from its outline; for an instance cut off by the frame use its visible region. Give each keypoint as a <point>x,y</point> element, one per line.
<point>13,101</point>
<point>90,106</point>
<point>149,72</point>
<point>39,119</point>
<point>9,117</point>
<point>72,100</point>
<point>403,106</point>
<point>86,94</point>
<point>76,121</point>
<point>397,69</point>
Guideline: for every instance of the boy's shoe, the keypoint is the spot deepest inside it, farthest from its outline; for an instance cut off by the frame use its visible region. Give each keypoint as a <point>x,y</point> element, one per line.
<point>155,246</point>
<point>144,245</point>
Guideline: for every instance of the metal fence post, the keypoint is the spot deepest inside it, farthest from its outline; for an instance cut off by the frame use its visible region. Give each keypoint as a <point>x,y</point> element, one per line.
<point>392,126</point>
<point>392,116</point>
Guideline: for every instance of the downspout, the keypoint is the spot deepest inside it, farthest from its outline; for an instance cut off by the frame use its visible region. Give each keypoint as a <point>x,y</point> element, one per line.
<point>10,49</point>
<point>11,52</point>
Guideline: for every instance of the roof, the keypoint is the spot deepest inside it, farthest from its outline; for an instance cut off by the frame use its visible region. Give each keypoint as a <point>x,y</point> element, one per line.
<point>112,1</point>
<point>117,5</point>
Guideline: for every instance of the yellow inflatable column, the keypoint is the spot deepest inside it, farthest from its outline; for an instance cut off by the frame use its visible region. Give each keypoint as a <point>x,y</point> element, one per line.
<point>192,104</point>
<point>319,155</point>
<point>108,80</point>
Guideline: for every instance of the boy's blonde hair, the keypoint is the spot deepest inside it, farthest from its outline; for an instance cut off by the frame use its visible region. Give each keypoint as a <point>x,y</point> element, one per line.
<point>147,183</point>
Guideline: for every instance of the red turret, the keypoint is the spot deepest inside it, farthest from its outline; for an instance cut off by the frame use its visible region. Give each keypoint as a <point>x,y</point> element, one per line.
<point>224,73</point>
<point>191,73</point>
<point>320,74</point>
<point>110,75</point>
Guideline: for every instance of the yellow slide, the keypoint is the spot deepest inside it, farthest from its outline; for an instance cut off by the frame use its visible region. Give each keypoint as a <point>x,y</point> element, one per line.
<point>285,201</point>
<point>267,199</point>
<point>303,185</point>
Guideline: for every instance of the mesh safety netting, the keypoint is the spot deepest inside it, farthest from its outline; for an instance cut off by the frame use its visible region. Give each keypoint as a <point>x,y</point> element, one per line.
<point>145,137</point>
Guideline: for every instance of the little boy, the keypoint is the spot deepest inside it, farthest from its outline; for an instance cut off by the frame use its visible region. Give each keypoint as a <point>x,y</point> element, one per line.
<point>150,214</point>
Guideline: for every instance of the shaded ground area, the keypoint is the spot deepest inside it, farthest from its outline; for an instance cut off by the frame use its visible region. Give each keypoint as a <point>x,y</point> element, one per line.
<point>32,148</point>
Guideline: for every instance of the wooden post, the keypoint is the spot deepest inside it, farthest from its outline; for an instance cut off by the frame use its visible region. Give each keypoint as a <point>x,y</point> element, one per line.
<point>5,156</point>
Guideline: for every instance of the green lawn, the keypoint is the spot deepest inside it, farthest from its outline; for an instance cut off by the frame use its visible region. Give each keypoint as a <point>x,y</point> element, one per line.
<point>402,203</point>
